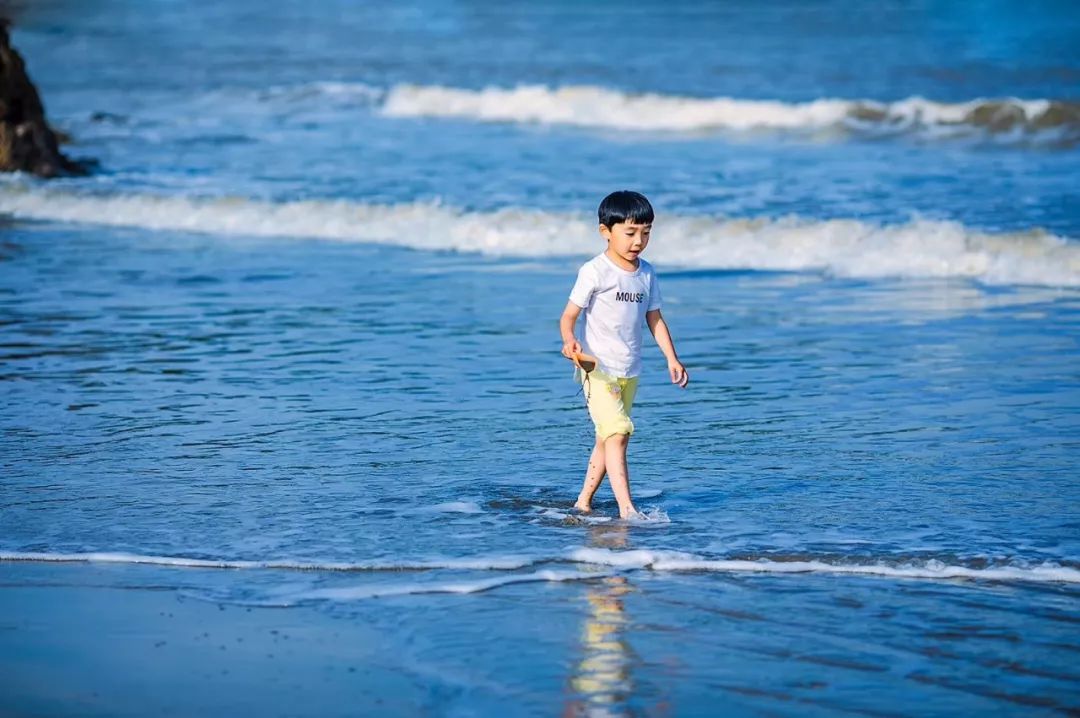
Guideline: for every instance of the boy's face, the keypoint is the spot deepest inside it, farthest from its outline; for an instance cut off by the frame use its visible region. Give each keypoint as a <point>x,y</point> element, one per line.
<point>627,240</point>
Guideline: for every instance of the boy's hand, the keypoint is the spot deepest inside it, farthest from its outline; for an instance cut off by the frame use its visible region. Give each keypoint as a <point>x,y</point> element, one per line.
<point>570,348</point>
<point>678,374</point>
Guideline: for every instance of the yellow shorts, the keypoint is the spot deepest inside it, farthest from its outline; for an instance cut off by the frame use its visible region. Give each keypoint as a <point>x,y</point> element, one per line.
<point>609,399</point>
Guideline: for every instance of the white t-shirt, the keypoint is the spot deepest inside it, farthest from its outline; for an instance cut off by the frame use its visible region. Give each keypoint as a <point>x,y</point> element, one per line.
<point>615,302</point>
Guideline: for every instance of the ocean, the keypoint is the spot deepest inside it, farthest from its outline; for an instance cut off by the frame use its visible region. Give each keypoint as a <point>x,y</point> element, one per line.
<point>291,353</point>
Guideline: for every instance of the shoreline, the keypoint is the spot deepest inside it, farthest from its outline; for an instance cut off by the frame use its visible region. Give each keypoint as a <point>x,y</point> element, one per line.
<point>126,641</point>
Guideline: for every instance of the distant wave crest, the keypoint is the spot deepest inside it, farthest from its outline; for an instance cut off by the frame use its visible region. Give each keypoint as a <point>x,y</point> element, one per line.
<point>596,107</point>
<point>841,247</point>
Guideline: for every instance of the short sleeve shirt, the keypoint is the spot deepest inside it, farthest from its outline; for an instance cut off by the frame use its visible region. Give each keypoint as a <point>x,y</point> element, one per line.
<point>614,302</point>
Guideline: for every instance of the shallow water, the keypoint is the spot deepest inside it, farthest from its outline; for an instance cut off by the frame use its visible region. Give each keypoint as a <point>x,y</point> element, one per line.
<point>295,350</point>
<point>192,398</point>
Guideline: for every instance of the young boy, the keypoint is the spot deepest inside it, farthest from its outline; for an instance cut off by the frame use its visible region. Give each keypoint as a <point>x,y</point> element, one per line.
<point>618,292</point>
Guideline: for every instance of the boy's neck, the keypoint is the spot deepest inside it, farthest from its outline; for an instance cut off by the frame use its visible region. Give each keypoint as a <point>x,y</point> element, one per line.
<point>620,262</point>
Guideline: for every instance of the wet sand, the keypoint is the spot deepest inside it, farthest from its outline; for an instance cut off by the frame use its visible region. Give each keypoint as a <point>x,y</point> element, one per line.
<point>89,640</point>
<point>69,650</point>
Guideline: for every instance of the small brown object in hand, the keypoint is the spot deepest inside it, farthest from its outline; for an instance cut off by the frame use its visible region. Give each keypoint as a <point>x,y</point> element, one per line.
<point>587,362</point>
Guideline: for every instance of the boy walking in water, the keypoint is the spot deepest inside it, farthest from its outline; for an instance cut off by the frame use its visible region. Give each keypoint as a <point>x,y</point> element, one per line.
<point>618,293</point>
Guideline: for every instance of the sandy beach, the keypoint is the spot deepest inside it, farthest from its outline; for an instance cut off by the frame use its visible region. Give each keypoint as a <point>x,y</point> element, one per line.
<point>70,650</point>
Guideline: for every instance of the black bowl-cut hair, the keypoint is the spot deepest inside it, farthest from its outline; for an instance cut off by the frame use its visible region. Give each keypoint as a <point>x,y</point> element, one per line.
<point>625,206</point>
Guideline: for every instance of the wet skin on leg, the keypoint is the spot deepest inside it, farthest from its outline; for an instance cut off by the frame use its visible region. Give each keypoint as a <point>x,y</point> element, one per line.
<point>594,475</point>
<point>618,474</point>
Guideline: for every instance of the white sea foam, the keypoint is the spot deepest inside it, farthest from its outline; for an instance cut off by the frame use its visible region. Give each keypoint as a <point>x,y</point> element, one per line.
<point>453,507</point>
<point>573,516</point>
<point>924,569</point>
<point>931,569</point>
<point>352,593</point>
<point>621,560</point>
<point>598,107</point>
<point>651,517</point>
<point>498,563</point>
<point>842,247</point>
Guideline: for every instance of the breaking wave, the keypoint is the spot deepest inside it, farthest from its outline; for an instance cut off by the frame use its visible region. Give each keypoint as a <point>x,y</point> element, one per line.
<point>596,107</point>
<point>842,247</point>
<point>1008,120</point>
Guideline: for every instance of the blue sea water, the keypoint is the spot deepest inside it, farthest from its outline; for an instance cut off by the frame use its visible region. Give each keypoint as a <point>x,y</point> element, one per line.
<point>301,324</point>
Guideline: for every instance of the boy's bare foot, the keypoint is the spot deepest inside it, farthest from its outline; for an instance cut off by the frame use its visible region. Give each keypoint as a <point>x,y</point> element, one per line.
<point>583,508</point>
<point>630,513</point>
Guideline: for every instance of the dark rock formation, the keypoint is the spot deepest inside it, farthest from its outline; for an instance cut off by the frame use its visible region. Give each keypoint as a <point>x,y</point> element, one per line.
<point>27,143</point>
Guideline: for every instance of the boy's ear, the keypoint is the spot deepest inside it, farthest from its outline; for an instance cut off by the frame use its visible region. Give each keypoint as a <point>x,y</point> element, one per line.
<point>605,232</point>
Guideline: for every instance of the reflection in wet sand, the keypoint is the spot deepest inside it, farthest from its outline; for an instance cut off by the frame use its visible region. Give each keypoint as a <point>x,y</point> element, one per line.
<point>601,682</point>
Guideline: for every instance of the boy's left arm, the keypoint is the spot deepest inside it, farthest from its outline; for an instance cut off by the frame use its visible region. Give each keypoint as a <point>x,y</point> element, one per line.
<point>659,329</point>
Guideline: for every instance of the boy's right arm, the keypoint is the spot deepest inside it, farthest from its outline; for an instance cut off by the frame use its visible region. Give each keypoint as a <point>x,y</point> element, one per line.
<point>570,345</point>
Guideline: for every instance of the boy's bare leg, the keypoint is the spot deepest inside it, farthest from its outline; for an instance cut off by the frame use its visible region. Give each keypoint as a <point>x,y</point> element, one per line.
<point>593,476</point>
<point>618,474</point>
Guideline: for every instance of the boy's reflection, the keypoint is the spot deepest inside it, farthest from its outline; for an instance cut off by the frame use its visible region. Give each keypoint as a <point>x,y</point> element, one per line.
<point>601,680</point>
